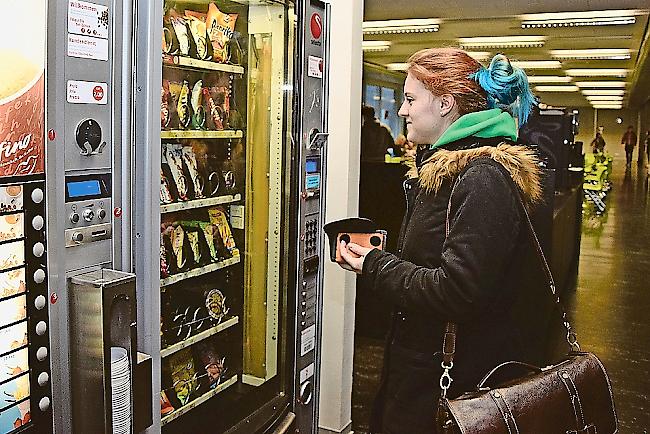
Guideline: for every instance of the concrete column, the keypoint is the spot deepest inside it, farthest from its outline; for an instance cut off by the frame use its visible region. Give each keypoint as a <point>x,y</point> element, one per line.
<point>342,201</point>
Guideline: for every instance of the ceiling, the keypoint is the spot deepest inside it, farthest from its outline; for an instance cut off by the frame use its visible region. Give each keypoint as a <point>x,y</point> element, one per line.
<point>476,18</point>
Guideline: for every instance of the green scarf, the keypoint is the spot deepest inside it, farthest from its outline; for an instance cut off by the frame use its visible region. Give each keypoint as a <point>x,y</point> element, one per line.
<point>484,124</point>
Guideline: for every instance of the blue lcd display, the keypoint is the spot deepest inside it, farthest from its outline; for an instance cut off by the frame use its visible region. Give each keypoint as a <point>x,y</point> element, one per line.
<point>312,165</point>
<point>84,188</point>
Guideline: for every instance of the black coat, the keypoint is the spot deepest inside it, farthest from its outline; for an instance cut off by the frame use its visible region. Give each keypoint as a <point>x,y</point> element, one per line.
<point>472,277</point>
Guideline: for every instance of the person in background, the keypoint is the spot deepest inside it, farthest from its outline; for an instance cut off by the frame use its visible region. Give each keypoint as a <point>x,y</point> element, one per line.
<point>629,141</point>
<point>456,113</point>
<point>598,144</point>
<point>646,142</point>
<point>376,138</point>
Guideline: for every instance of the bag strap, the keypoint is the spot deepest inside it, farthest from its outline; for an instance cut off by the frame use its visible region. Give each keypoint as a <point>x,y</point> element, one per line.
<point>449,340</point>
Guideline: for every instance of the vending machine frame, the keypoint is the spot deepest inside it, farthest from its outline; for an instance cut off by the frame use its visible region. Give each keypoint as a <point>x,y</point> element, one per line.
<point>296,408</point>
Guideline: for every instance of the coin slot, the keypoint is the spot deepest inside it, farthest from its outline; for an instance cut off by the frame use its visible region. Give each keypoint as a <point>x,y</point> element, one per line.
<point>98,234</point>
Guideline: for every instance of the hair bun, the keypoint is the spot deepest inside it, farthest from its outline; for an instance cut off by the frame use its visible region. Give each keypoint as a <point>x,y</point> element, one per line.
<point>507,87</point>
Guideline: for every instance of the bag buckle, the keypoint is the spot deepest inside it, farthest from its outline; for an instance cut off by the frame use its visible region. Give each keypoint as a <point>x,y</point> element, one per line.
<point>445,378</point>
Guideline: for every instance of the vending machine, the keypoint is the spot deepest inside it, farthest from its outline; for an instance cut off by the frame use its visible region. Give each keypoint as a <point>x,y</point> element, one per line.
<point>231,172</point>
<point>25,375</point>
<point>166,159</point>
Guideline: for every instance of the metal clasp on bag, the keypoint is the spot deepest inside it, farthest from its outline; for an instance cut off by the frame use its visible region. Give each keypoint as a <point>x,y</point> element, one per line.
<point>445,378</point>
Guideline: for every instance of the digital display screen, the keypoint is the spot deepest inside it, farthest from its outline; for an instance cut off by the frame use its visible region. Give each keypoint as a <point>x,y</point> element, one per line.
<point>84,188</point>
<point>312,165</point>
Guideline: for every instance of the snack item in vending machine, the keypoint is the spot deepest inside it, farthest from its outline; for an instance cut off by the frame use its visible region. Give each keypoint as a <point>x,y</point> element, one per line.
<point>166,407</point>
<point>198,118</point>
<point>197,24</point>
<point>183,106</point>
<point>195,246</point>
<point>184,375</point>
<point>165,99</point>
<point>213,363</point>
<point>213,240</point>
<point>174,157</point>
<point>170,44</point>
<point>221,29</point>
<point>197,180</point>
<point>164,254</point>
<point>215,302</point>
<point>178,246</point>
<point>186,44</point>
<point>219,219</point>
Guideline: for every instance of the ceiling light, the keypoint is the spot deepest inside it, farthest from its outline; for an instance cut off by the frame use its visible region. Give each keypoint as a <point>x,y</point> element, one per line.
<point>591,54</point>
<point>419,25</point>
<point>537,64</point>
<point>594,72</point>
<point>578,19</point>
<point>376,45</point>
<point>503,42</point>
<point>549,79</point>
<point>481,56</point>
<point>591,92</point>
<point>397,66</point>
<point>556,88</point>
<point>608,84</point>
<point>604,97</point>
<point>607,107</point>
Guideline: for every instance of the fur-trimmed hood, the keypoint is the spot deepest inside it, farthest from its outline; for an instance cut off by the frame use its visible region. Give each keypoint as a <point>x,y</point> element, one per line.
<point>520,161</point>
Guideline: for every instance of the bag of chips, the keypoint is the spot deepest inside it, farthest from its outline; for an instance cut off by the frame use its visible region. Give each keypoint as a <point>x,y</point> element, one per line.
<point>221,29</point>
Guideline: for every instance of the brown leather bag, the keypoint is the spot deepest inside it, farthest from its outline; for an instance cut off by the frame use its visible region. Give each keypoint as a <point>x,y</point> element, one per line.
<point>570,397</point>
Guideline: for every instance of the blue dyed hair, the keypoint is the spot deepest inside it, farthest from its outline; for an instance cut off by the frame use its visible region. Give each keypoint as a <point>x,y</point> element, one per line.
<point>506,87</point>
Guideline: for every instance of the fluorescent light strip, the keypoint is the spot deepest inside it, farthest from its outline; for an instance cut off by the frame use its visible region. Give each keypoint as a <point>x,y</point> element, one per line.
<point>549,79</point>
<point>591,54</point>
<point>419,25</point>
<point>556,88</point>
<point>480,56</point>
<point>596,72</point>
<point>376,45</point>
<point>537,64</point>
<point>502,42</point>
<point>601,84</point>
<point>591,92</point>
<point>604,98</point>
<point>578,19</point>
<point>397,66</point>
<point>607,107</point>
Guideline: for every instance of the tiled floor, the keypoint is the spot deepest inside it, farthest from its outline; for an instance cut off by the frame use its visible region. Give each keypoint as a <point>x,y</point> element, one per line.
<point>610,307</point>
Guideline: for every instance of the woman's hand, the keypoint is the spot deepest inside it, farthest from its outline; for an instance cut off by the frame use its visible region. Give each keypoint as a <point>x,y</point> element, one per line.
<point>353,255</point>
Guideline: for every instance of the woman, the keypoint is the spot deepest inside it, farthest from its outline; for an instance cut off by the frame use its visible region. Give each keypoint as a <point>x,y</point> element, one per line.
<point>598,144</point>
<point>453,112</point>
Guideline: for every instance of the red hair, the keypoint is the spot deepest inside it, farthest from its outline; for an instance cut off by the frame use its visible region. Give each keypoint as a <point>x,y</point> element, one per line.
<point>448,70</point>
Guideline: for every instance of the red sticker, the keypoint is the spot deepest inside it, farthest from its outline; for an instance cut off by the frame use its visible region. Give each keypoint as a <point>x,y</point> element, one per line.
<point>54,298</point>
<point>51,134</point>
<point>98,93</point>
<point>117,212</point>
<point>316,26</point>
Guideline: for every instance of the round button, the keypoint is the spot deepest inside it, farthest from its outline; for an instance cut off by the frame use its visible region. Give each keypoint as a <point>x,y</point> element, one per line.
<point>44,403</point>
<point>41,328</point>
<point>43,378</point>
<point>38,222</point>
<point>39,276</point>
<point>89,215</point>
<point>40,302</point>
<point>74,218</point>
<point>41,354</point>
<point>37,195</point>
<point>101,213</point>
<point>38,249</point>
<point>77,237</point>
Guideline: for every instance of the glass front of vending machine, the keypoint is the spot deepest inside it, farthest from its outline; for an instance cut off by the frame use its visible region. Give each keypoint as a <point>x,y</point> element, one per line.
<point>25,390</point>
<point>235,268</point>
